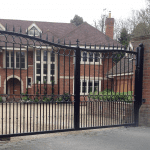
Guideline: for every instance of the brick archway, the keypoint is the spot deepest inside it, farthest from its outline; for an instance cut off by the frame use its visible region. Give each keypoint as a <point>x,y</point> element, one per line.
<point>11,77</point>
<point>13,90</point>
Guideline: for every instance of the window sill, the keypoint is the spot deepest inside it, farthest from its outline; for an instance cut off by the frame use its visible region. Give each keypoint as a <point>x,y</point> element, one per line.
<point>91,63</point>
<point>45,83</point>
<point>16,68</point>
<point>84,94</point>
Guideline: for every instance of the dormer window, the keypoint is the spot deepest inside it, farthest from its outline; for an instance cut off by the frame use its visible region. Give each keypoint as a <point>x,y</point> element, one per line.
<point>34,30</point>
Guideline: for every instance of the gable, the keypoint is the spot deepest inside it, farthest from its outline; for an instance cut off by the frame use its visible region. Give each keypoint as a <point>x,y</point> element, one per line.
<point>2,27</point>
<point>33,29</point>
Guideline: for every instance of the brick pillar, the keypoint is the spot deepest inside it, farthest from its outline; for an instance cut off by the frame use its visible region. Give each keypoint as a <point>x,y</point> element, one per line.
<point>144,115</point>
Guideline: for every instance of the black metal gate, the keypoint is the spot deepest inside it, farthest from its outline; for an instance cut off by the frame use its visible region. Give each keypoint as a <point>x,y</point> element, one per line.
<point>48,87</point>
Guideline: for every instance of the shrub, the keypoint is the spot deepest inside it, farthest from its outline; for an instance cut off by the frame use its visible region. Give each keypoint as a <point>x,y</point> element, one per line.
<point>46,99</point>
<point>65,97</point>
<point>36,99</point>
<point>58,100</point>
<point>1,99</point>
<point>25,98</point>
<point>108,95</point>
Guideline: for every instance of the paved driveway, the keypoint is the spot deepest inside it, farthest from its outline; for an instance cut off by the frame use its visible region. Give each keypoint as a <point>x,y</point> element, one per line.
<point>98,139</point>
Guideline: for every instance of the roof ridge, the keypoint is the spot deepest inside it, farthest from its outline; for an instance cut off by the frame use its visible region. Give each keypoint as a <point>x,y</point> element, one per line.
<point>35,21</point>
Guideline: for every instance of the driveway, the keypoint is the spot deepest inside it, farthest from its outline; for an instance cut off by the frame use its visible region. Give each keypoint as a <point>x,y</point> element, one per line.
<point>120,138</point>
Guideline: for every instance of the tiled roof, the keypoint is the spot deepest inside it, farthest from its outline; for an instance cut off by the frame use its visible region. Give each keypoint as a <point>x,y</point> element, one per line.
<point>85,33</point>
<point>53,29</point>
<point>126,66</point>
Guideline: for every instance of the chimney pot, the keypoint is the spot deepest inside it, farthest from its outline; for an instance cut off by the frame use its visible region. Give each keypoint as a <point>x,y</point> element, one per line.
<point>109,14</point>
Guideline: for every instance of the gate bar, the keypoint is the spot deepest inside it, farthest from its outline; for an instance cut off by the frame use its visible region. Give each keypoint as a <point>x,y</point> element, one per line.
<point>138,83</point>
<point>77,88</point>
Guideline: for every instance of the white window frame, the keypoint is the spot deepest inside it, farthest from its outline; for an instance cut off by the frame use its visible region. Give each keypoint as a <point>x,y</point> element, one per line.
<point>87,62</point>
<point>87,83</point>
<point>49,62</point>
<point>4,59</point>
<point>37,28</point>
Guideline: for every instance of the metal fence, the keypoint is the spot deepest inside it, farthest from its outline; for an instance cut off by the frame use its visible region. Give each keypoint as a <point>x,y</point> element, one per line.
<point>49,87</point>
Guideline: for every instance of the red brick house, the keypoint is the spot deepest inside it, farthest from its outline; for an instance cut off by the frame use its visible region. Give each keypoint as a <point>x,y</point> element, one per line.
<point>19,76</point>
<point>122,74</point>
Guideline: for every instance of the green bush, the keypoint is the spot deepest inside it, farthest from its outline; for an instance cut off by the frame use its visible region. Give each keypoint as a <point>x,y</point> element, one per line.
<point>65,97</point>
<point>25,98</point>
<point>58,100</point>
<point>36,99</point>
<point>46,99</point>
<point>1,99</point>
<point>108,95</point>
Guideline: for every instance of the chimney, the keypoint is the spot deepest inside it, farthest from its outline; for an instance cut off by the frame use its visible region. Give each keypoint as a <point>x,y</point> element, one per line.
<point>109,23</point>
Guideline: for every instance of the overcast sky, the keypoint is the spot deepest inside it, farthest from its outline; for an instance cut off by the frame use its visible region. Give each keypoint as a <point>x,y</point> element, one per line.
<point>64,10</point>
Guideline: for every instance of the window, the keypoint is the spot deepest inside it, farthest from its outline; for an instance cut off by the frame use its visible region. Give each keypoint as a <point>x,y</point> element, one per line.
<point>38,69</point>
<point>85,56</point>
<point>97,57</point>
<point>12,59</point>
<point>15,59</point>
<point>38,79</point>
<point>33,31</point>
<point>45,66</point>
<point>90,87</point>
<point>45,56</point>
<point>86,87</point>
<point>29,82</point>
<point>95,86</point>
<point>20,59</point>
<point>38,55</point>
<point>52,56</point>
<point>52,69</point>
<point>92,58</point>
<point>45,79</point>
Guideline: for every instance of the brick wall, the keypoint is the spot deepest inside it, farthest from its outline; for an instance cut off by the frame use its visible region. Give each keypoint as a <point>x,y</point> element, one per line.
<point>144,115</point>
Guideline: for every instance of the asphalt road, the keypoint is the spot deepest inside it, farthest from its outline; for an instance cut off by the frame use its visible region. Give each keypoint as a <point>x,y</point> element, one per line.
<point>121,138</point>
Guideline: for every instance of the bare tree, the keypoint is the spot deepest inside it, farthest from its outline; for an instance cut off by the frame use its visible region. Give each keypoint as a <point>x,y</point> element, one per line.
<point>139,22</point>
<point>100,23</point>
